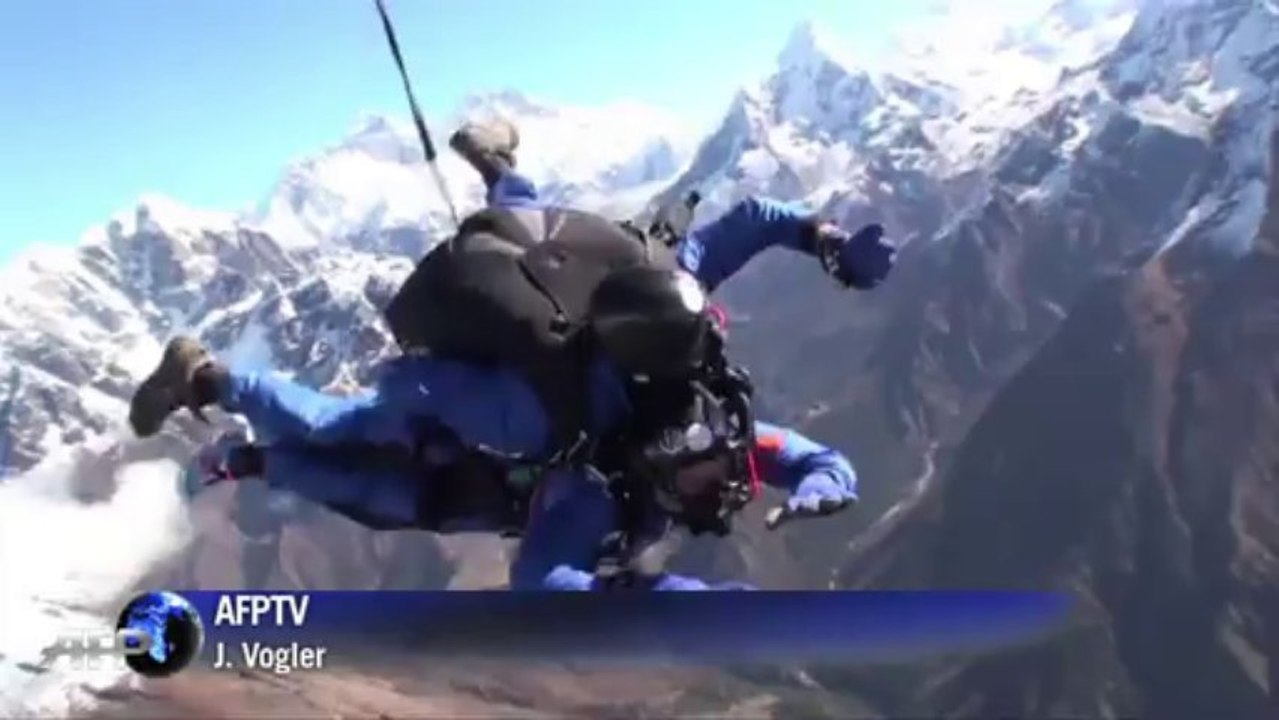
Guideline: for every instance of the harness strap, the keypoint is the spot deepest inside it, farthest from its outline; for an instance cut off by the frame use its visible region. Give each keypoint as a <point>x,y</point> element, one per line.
<point>428,147</point>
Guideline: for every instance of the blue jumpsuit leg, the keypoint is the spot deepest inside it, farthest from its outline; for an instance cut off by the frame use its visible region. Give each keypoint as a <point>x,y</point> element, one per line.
<point>568,524</point>
<point>283,411</point>
<point>570,518</point>
<point>378,497</point>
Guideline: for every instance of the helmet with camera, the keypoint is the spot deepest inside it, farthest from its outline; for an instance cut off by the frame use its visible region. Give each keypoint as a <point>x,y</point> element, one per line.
<point>688,447</point>
<point>652,323</point>
<point>696,464</point>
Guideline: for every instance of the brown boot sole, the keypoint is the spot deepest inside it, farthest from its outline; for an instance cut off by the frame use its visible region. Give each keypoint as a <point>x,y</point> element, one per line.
<point>167,388</point>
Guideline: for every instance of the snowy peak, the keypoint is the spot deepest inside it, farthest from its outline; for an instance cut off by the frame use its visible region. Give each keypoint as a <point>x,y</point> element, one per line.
<point>811,129</point>
<point>817,82</point>
<point>1185,82</point>
<point>809,47</point>
<point>944,103</point>
<point>392,140</point>
<point>1214,49</point>
<point>1071,33</point>
<point>1021,98</point>
<point>509,103</point>
<point>994,57</point>
<point>82,325</point>
<point>159,214</point>
<point>372,191</point>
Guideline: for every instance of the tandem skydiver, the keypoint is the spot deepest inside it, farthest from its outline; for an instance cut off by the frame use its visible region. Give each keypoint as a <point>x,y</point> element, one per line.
<point>442,457</point>
<point>440,443</point>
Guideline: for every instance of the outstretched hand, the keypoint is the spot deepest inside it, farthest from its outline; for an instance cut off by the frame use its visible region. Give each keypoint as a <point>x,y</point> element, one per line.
<point>817,495</point>
<point>861,260</point>
<point>231,456</point>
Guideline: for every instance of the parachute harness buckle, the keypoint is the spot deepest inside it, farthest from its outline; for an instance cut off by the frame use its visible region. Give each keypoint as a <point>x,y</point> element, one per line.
<point>573,454</point>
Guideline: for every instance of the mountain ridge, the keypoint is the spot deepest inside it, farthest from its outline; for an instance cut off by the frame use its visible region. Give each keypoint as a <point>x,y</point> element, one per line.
<point>1096,257</point>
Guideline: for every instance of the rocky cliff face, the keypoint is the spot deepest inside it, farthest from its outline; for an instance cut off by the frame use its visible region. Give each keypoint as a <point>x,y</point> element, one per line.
<point>1131,462</point>
<point>1106,173</point>
<point>1071,381</point>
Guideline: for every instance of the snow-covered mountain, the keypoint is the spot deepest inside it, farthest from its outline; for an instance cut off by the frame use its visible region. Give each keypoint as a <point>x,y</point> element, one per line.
<point>1026,164</point>
<point>825,127</point>
<point>1046,375</point>
<point>1032,377</point>
<point>1178,97</point>
<point>925,132</point>
<point>296,285</point>
<point>372,192</point>
<point>964,106</point>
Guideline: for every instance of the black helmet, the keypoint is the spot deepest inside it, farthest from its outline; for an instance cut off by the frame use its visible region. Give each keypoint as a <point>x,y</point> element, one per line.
<point>699,467</point>
<point>651,322</point>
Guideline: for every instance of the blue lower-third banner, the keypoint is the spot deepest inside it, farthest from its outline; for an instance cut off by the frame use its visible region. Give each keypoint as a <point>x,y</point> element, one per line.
<point>310,629</point>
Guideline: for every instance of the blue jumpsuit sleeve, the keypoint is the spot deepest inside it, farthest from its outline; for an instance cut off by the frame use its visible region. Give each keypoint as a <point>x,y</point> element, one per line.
<point>786,458</point>
<point>514,190</point>
<point>715,251</point>
<point>563,577</point>
<point>570,519</point>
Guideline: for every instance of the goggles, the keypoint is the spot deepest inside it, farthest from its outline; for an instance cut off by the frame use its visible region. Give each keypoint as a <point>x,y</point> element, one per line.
<point>702,470</point>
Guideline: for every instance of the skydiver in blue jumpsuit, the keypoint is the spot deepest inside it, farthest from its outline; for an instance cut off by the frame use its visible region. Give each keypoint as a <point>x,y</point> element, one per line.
<point>309,442</point>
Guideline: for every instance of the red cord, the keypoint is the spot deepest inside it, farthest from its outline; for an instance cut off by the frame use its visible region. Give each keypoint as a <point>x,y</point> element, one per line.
<point>753,467</point>
<point>719,316</point>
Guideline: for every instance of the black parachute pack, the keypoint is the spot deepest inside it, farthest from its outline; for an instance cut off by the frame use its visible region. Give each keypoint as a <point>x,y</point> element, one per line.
<point>511,289</point>
<point>512,286</point>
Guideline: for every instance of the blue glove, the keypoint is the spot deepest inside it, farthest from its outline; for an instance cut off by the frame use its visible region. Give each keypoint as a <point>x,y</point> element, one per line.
<point>731,585</point>
<point>861,260</point>
<point>817,495</point>
<point>670,582</point>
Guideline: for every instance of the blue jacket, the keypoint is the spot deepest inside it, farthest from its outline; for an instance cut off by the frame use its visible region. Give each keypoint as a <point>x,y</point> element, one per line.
<point>496,411</point>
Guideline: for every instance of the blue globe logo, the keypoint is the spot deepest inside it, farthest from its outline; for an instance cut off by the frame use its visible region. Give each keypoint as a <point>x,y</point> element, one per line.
<point>173,626</point>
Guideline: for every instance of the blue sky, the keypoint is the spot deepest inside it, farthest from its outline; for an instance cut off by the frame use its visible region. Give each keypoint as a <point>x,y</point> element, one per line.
<point>207,100</point>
